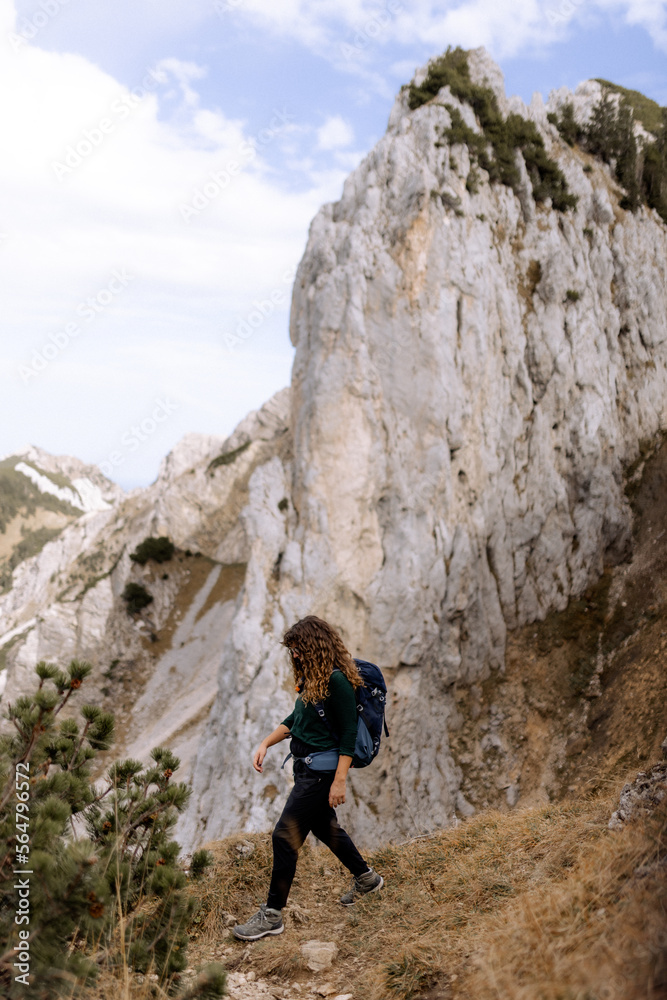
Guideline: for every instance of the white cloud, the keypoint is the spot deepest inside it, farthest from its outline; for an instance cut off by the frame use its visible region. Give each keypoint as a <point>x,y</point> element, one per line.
<point>184,73</point>
<point>94,179</point>
<point>335,133</point>
<point>648,14</point>
<point>505,27</point>
<point>349,160</point>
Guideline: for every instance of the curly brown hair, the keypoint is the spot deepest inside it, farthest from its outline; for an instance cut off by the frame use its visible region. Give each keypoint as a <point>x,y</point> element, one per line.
<point>320,650</point>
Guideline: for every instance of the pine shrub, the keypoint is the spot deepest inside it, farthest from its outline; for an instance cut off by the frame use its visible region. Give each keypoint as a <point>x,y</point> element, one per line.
<point>495,148</point>
<point>136,597</point>
<point>96,860</point>
<point>566,124</point>
<point>640,167</point>
<point>654,171</point>
<point>646,110</point>
<point>158,549</point>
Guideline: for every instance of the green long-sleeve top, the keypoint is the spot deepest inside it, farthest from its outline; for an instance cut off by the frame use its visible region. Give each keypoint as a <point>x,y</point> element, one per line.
<point>340,707</point>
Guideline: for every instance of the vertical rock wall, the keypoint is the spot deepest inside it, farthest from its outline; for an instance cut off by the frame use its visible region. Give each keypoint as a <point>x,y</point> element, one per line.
<point>472,374</point>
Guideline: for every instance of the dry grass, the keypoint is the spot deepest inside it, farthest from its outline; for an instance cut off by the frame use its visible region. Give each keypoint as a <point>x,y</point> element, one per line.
<point>544,903</point>
<point>599,930</point>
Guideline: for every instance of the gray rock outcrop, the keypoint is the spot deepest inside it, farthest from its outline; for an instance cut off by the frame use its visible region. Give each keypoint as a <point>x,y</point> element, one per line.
<point>641,797</point>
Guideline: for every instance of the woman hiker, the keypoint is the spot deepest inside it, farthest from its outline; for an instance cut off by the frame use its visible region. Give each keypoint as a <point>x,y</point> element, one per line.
<point>317,651</point>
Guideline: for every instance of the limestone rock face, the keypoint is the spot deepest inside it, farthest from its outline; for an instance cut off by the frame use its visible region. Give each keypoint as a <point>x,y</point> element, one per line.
<point>472,374</point>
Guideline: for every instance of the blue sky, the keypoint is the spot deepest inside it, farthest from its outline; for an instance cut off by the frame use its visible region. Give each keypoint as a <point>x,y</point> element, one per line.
<point>165,158</point>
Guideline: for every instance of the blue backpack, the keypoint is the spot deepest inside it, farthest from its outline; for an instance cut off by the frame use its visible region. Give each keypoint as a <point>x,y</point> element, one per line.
<point>371,700</point>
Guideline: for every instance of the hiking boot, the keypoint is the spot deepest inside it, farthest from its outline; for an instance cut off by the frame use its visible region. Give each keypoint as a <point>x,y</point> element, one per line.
<point>265,921</point>
<point>370,881</point>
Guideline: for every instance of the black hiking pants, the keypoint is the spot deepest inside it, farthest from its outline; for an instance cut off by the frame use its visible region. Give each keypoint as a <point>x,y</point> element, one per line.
<point>307,809</point>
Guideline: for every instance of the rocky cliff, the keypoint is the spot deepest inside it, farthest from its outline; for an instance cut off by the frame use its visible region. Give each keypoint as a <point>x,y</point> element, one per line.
<point>475,371</point>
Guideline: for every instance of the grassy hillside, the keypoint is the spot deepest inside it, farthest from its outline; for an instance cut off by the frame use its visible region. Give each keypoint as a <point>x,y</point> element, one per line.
<point>28,518</point>
<point>541,903</point>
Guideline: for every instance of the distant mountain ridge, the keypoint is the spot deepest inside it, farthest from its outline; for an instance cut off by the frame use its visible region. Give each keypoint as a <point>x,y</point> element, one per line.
<point>40,494</point>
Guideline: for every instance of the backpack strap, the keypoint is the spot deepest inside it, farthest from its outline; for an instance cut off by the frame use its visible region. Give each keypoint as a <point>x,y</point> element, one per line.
<point>319,708</point>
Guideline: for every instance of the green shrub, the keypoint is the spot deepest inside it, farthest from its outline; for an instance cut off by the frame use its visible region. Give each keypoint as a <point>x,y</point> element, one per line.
<point>472,181</point>
<point>572,295</point>
<point>136,597</point>
<point>647,111</point>
<point>227,458</point>
<point>459,133</point>
<point>547,179</point>
<point>494,150</point>
<point>158,549</point>
<point>641,169</point>
<point>654,171</point>
<point>566,124</point>
<point>92,855</point>
<point>449,70</point>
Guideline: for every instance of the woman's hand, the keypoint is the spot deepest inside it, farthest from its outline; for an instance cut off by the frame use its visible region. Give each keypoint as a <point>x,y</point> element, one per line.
<point>337,792</point>
<point>260,754</point>
<point>277,736</point>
